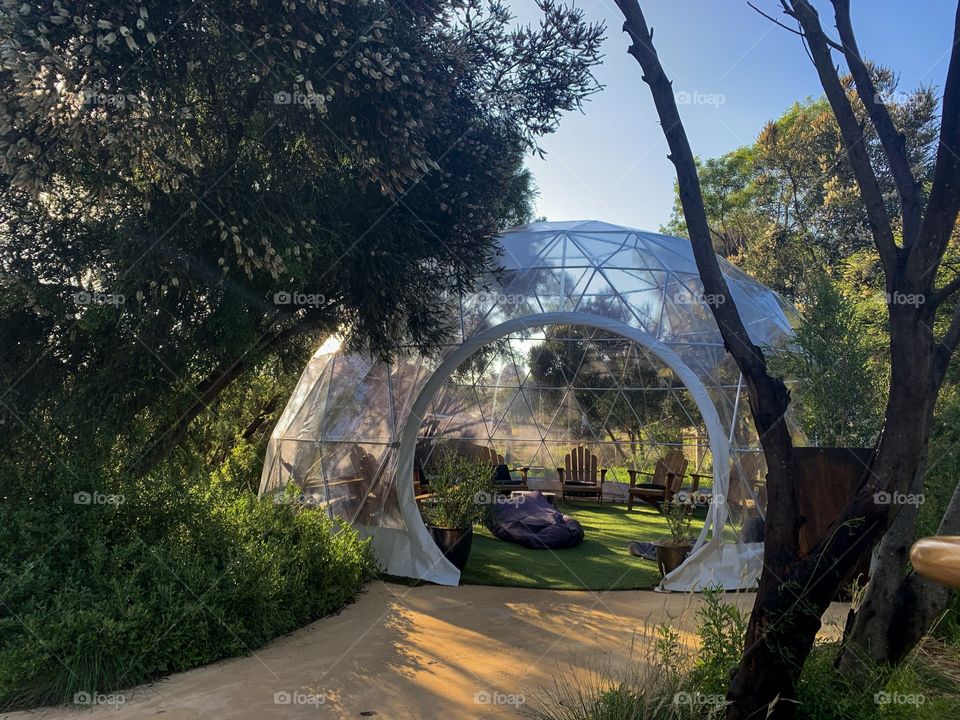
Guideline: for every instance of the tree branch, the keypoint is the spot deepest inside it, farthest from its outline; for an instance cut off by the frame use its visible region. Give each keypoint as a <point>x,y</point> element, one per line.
<point>943,204</point>
<point>946,347</point>
<point>942,294</point>
<point>853,138</point>
<point>769,397</point>
<point>893,141</point>
<point>786,27</point>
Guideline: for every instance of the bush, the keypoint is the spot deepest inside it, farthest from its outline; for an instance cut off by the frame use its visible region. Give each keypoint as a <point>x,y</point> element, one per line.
<point>673,682</point>
<point>155,577</point>
<point>914,690</point>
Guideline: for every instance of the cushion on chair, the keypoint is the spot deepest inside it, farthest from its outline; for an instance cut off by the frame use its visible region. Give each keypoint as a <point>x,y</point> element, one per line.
<point>649,486</point>
<point>502,476</point>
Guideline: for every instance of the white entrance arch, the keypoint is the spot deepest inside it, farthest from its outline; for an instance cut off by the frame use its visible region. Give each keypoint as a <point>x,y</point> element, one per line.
<point>431,565</point>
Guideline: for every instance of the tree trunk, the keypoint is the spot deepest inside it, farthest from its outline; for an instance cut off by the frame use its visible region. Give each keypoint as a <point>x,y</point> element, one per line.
<point>786,614</point>
<point>900,607</point>
<point>795,590</point>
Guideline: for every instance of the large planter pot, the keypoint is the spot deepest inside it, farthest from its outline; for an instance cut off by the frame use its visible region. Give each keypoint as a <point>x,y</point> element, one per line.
<point>454,543</point>
<point>670,556</point>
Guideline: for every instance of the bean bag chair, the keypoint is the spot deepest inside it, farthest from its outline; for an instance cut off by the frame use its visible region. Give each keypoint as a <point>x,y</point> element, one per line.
<point>529,520</point>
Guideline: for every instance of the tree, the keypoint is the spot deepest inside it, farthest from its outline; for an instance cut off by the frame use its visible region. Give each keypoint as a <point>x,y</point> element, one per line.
<point>786,208</point>
<point>794,590</point>
<point>194,188</point>
<point>839,400</point>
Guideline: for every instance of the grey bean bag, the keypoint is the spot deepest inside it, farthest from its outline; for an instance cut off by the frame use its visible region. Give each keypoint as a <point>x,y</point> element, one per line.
<point>529,520</point>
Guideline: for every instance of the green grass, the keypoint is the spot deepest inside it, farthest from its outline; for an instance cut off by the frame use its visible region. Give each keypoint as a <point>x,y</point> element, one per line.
<point>600,562</point>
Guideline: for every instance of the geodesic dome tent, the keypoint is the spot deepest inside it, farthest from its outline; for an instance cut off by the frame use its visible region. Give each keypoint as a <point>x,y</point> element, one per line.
<point>589,335</point>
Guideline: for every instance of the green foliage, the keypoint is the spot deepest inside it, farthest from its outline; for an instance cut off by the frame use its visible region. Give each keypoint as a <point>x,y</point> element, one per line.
<point>912,690</point>
<point>194,194</point>
<point>672,682</point>
<point>838,398</point>
<point>166,575</point>
<point>679,520</point>
<point>721,630</point>
<point>461,490</point>
<point>786,209</point>
<point>183,200</point>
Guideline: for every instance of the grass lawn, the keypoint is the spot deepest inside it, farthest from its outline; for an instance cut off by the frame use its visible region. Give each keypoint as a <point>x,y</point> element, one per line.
<point>600,562</point>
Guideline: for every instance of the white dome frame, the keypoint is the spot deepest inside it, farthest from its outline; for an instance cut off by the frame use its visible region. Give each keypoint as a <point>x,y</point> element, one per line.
<point>403,546</point>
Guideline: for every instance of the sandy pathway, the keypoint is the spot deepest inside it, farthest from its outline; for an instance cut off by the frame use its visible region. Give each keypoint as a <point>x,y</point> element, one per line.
<point>413,653</point>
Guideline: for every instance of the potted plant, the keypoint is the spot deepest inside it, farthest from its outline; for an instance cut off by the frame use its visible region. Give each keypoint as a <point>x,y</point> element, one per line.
<point>461,490</point>
<point>670,555</point>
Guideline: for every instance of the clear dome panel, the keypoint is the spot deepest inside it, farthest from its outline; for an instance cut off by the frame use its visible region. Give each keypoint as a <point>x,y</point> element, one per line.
<point>531,397</point>
<point>540,391</point>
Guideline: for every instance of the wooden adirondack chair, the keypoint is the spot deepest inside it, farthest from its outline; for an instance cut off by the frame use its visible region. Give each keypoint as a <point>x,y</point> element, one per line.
<point>580,477</point>
<point>666,479</point>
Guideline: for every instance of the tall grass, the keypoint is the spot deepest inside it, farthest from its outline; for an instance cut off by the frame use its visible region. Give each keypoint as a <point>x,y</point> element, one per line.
<point>667,680</point>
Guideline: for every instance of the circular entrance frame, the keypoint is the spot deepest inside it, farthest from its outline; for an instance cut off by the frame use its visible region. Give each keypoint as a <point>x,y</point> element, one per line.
<point>439,569</point>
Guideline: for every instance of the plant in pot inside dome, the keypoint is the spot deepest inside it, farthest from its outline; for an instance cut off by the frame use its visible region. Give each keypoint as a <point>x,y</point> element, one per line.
<point>672,553</point>
<point>461,490</point>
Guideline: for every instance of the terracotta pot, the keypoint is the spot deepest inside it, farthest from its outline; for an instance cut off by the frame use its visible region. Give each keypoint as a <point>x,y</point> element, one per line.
<point>454,543</point>
<point>670,556</point>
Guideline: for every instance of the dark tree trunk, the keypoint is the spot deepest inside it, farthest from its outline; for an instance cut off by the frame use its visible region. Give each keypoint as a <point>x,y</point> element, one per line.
<point>795,590</point>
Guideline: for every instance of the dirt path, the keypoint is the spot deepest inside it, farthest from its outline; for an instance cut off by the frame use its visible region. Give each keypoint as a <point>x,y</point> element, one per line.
<point>413,653</point>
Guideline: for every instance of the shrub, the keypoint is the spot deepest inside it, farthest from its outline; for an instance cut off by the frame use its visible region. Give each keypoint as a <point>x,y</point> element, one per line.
<point>673,682</point>
<point>460,492</point>
<point>166,576</point>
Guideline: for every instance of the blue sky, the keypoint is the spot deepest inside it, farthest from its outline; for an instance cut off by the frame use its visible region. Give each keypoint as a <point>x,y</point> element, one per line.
<point>738,70</point>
